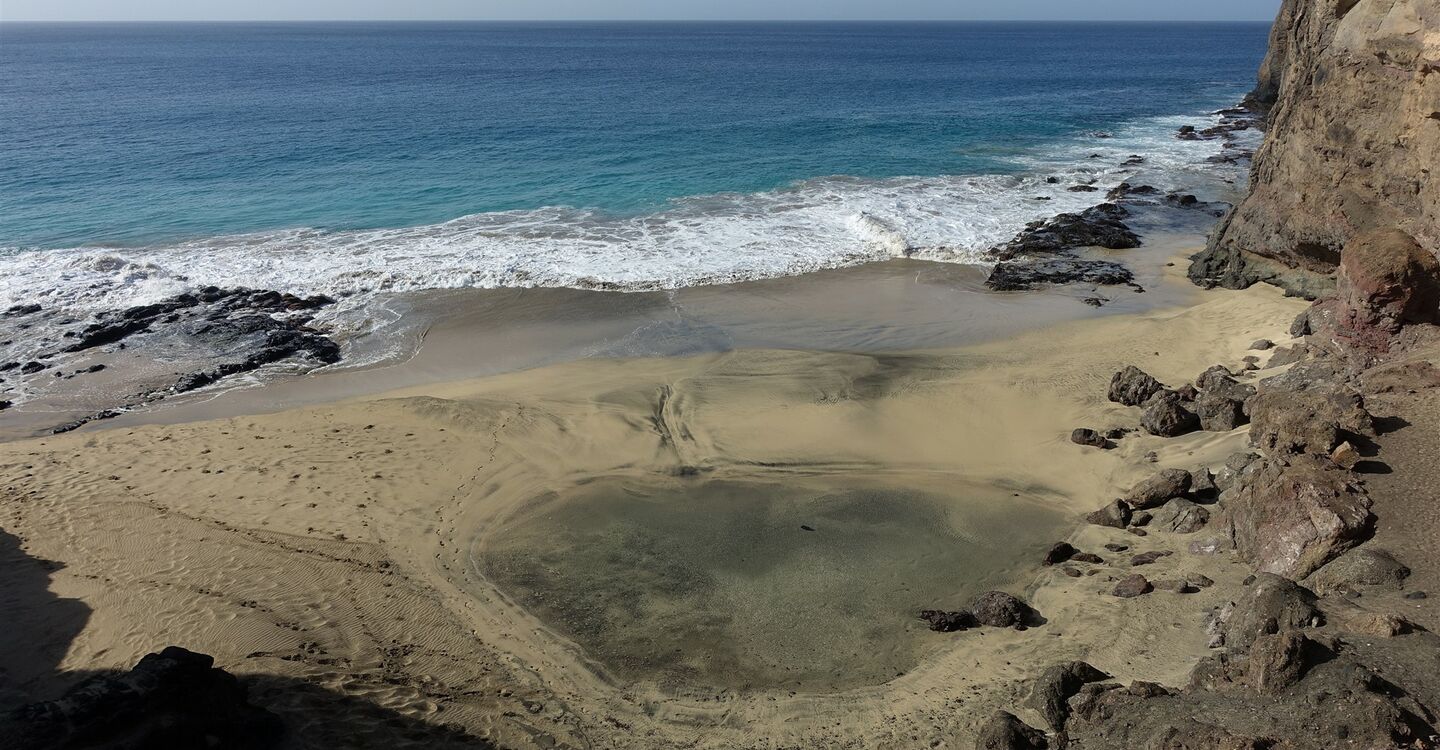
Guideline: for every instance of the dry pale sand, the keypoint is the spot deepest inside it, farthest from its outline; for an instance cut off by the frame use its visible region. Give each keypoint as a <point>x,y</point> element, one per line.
<point>356,546</point>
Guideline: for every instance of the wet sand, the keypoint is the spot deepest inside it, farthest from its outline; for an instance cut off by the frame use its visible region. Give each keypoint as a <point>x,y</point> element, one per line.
<point>444,336</point>
<point>431,549</point>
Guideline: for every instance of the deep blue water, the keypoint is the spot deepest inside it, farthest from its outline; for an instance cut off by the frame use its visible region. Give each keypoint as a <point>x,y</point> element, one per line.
<point>145,134</point>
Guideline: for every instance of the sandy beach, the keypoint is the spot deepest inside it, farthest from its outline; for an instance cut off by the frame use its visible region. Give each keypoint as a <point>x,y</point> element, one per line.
<point>726,549</point>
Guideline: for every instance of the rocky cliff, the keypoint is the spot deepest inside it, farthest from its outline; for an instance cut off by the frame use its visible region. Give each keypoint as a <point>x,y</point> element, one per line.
<point>1352,90</point>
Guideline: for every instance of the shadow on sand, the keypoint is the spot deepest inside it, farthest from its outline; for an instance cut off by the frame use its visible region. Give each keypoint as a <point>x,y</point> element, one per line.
<point>173,707</point>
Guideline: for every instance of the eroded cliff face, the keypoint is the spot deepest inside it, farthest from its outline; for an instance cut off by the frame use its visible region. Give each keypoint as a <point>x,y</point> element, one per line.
<point>1353,93</point>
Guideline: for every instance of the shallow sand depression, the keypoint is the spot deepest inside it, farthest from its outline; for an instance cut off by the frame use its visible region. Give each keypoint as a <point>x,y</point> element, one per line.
<point>801,583</point>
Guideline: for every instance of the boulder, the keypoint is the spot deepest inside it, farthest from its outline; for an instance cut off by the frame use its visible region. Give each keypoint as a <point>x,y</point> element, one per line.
<point>1165,414</point>
<point>1288,355</point>
<point>1349,618</point>
<point>1235,465</point>
<point>1206,379</point>
<point>1052,691</point>
<point>1116,515</point>
<point>1310,409</point>
<point>1059,553</point>
<point>1270,604</point>
<point>1290,519</point>
<point>1086,436</point>
<point>1180,516</point>
<point>1386,280</point>
<point>941,621</point>
<point>1132,586</point>
<point>1202,484</point>
<point>1004,731</point>
<point>1300,327</point>
<point>1133,386</point>
<point>1218,412</point>
<point>1364,566</point>
<point>1159,488</point>
<point>1279,660</point>
<point>1401,377</point>
<point>998,609</point>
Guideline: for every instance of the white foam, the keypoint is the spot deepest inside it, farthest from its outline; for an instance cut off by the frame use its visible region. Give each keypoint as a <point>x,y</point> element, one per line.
<point>816,224</point>
<point>812,225</point>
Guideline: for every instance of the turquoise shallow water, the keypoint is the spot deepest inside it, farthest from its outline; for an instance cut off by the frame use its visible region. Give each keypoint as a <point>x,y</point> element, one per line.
<point>139,134</point>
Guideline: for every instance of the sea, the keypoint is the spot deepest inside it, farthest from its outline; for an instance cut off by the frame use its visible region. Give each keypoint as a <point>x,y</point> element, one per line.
<point>369,160</point>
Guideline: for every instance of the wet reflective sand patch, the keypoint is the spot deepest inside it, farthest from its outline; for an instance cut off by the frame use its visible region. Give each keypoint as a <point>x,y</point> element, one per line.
<point>806,585</point>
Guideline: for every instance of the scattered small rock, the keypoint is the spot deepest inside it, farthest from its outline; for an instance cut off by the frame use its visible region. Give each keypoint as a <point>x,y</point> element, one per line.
<point>1132,586</point>
<point>1133,386</point>
<point>948,622</point>
<point>1116,515</point>
<point>1059,553</point>
<point>998,609</point>
<point>1181,516</point>
<point>1165,415</point>
<point>1086,436</point>
<point>1157,489</point>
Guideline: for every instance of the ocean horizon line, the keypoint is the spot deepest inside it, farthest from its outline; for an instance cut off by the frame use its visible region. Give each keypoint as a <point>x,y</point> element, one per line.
<point>621,21</point>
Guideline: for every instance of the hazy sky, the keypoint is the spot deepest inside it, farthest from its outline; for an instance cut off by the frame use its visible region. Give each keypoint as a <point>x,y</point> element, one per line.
<point>139,10</point>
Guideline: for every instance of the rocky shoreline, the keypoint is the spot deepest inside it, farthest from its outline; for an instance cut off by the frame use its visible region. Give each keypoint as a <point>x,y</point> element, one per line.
<point>209,335</point>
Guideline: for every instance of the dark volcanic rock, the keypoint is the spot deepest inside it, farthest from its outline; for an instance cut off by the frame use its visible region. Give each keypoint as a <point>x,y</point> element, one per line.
<point>1086,436</point>
<point>269,341</point>
<point>1097,226</point>
<point>1291,518</point>
<point>1015,275</point>
<point>1279,661</point>
<point>1310,409</point>
<point>214,333</point>
<point>948,622</point>
<point>1387,277</point>
<point>1181,516</point>
<point>1132,586</point>
<point>1202,484</point>
<point>998,609</point>
<point>1221,405</point>
<point>1004,731</point>
<point>1116,514</point>
<point>1126,191</point>
<point>1269,605</point>
<point>1059,553</point>
<point>1147,558</point>
<point>1365,566</point>
<point>1053,690</point>
<point>173,699</point>
<point>1159,488</point>
<point>1166,415</point>
<point>1133,386</point>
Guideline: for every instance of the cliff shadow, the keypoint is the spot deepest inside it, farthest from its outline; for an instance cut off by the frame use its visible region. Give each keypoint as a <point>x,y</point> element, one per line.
<point>164,702</point>
<point>39,625</point>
